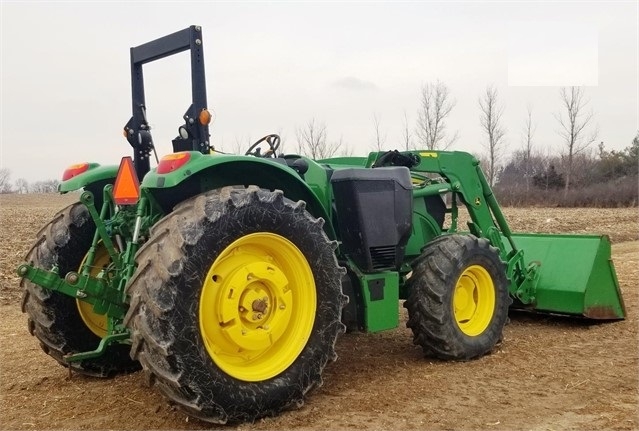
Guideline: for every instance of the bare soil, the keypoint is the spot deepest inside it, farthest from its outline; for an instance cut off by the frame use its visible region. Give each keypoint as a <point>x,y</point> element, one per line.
<point>550,373</point>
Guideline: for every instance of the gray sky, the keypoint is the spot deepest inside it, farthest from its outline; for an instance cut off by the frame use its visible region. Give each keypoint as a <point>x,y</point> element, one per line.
<point>271,67</point>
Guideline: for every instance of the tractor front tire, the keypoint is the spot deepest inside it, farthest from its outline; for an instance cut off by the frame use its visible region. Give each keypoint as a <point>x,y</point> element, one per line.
<point>236,304</point>
<point>458,298</point>
<point>59,322</point>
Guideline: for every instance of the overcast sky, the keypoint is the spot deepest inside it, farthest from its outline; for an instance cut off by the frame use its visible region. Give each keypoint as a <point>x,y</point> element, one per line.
<point>271,67</point>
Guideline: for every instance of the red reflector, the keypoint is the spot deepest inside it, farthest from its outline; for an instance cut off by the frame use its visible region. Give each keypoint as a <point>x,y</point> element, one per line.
<point>126,190</point>
<point>171,162</point>
<point>74,170</point>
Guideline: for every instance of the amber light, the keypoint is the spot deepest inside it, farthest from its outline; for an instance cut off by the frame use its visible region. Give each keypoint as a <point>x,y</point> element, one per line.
<point>171,162</point>
<point>74,170</point>
<point>205,117</point>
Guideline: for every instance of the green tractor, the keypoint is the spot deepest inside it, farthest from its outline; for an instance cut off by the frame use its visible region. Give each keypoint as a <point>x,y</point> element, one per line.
<point>228,278</point>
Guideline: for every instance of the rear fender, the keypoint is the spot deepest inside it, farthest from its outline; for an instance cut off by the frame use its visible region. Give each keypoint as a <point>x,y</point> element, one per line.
<point>93,179</point>
<point>205,172</point>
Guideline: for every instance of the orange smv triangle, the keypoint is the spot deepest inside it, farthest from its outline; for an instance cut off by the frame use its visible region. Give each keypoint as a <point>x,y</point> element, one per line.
<point>126,190</point>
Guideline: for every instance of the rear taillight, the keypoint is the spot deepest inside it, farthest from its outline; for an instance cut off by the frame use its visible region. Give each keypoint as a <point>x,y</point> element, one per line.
<point>74,170</point>
<point>172,162</point>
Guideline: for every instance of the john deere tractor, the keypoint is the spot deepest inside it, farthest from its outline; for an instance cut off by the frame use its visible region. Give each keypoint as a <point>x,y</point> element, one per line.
<point>228,278</point>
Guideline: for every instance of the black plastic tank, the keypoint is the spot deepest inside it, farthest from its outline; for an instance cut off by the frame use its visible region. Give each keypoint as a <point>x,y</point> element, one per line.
<point>374,213</point>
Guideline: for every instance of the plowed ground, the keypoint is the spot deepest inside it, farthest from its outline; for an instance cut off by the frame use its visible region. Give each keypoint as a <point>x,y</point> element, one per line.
<point>550,373</point>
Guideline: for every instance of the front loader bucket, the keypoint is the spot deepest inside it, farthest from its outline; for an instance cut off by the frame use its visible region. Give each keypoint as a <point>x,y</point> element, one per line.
<point>576,275</point>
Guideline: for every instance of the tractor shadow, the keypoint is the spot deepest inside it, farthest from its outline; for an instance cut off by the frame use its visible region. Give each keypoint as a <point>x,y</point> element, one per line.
<point>549,319</point>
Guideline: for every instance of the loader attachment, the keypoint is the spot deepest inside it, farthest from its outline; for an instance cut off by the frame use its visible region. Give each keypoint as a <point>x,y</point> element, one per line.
<point>576,276</point>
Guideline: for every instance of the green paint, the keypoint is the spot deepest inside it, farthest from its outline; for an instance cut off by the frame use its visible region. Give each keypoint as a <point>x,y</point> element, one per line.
<point>576,275</point>
<point>95,174</point>
<point>380,293</point>
<point>568,274</point>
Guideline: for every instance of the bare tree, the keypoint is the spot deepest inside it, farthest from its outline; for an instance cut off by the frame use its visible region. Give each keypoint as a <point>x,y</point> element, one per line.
<point>378,143</point>
<point>241,144</point>
<point>490,120</point>
<point>529,132</point>
<point>345,150</point>
<point>282,135</point>
<point>407,136</point>
<point>312,142</point>
<point>5,180</point>
<point>436,104</point>
<point>584,164</point>
<point>47,186</point>
<point>22,186</point>
<point>573,126</point>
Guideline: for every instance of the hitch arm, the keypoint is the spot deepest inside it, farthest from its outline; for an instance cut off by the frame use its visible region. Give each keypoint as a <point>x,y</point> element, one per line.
<point>88,289</point>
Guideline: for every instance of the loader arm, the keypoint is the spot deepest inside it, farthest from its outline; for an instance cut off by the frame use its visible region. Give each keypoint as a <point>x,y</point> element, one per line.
<point>465,179</point>
<point>551,273</point>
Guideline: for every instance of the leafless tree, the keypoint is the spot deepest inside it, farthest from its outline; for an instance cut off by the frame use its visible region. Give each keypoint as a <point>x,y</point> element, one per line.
<point>573,124</point>
<point>241,144</point>
<point>436,104</point>
<point>312,142</point>
<point>490,120</point>
<point>22,186</point>
<point>379,139</point>
<point>547,160</point>
<point>345,151</point>
<point>47,186</point>
<point>5,180</point>
<point>583,165</point>
<point>282,135</point>
<point>529,132</point>
<point>407,136</point>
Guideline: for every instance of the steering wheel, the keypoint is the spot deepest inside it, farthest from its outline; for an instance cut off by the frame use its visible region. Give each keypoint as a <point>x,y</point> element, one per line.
<point>273,142</point>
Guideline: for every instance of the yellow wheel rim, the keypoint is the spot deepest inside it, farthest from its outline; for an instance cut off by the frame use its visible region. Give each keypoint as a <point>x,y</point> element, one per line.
<point>257,306</point>
<point>474,300</point>
<point>97,323</point>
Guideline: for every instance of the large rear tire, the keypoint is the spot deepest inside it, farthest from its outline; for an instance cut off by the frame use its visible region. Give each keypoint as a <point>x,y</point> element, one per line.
<point>62,324</point>
<point>458,300</point>
<point>236,304</point>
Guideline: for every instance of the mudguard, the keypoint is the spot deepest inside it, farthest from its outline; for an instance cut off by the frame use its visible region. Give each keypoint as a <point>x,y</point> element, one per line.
<point>203,172</point>
<point>95,174</point>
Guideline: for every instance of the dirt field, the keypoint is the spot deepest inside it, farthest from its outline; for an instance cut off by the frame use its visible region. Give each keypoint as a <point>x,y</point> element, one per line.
<point>549,373</point>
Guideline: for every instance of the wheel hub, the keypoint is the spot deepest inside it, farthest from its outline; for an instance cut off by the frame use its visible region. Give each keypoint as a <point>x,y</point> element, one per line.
<point>260,305</point>
<point>257,306</point>
<point>474,300</point>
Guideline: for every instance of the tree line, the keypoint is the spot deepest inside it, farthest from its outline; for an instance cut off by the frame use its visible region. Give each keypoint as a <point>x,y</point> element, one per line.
<point>579,175</point>
<point>22,186</point>
<point>599,178</point>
